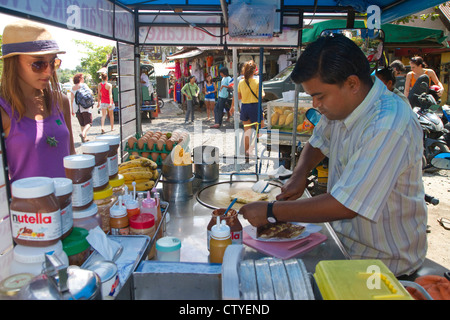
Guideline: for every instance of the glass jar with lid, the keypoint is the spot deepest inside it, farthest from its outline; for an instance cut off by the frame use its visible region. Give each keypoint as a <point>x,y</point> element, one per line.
<point>118,185</point>
<point>87,218</point>
<point>104,200</point>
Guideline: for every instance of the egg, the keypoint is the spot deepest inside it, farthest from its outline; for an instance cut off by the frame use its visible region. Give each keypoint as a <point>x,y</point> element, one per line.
<point>131,141</point>
<point>155,156</point>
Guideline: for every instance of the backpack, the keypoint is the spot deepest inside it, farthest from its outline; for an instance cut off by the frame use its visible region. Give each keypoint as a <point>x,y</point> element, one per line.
<point>84,97</point>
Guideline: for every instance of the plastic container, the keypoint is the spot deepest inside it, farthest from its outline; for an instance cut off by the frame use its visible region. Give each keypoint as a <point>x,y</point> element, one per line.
<point>358,280</point>
<point>118,219</point>
<point>112,159</point>
<point>149,205</point>
<point>35,213</point>
<point>168,249</point>
<point>144,224</point>
<point>99,150</point>
<point>132,207</point>
<point>88,218</point>
<point>77,247</point>
<point>10,287</point>
<point>79,169</point>
<point>220,240</point>
<point>104,200</point>
<point>232,221</point>
<point>31,259</point>
<point>63,192</point>
<point>118,185</point>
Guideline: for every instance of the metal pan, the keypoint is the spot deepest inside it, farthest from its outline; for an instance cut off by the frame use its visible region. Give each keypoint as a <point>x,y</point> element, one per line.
<point>218,195</point>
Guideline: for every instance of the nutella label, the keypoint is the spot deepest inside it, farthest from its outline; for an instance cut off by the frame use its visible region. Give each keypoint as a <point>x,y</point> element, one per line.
<point>236,237</point>
<point>100,175</point>
<point>67,218</point>
<point>36,226</point>
<point>113,165</point>
<point>83,193</point>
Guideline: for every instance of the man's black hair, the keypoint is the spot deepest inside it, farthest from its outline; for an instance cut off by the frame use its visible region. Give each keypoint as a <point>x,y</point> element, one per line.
<point>398,65</point>
<point>386,74</point>
<point>333,59</point>
<point>224,70</point>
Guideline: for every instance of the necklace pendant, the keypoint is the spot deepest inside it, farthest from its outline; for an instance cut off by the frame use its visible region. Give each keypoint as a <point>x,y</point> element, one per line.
<point>52,142</point>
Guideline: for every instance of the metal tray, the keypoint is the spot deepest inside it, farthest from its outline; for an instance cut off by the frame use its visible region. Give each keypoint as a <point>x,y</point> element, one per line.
<point>218,195</point>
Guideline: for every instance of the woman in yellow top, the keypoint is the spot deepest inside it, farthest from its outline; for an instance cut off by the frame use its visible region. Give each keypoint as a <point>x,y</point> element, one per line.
<point>419,73</point>
<point>248,89</point>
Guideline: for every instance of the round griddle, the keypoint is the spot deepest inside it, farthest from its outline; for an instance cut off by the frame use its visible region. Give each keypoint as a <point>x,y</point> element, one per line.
<point>218,195</point>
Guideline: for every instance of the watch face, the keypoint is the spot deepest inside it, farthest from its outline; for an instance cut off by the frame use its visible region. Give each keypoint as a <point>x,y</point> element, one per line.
<point>271,219</point>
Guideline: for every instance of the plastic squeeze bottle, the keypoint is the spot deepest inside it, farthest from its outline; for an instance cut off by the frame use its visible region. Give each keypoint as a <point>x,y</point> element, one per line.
<point>148,205</point>
<point>119,219</point>
<point>220,240</point>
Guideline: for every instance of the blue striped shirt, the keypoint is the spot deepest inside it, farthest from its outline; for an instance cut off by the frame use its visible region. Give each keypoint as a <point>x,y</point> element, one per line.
<point>375,169</point>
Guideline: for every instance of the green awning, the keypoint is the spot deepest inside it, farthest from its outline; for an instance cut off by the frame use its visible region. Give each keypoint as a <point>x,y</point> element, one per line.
<point>394,34</point>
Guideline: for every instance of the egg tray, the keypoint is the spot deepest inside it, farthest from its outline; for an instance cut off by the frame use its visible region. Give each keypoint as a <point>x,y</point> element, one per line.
<point>159,160</point>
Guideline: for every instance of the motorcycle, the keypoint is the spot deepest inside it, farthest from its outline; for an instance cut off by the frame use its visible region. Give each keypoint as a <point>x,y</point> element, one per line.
<point>434,133</point>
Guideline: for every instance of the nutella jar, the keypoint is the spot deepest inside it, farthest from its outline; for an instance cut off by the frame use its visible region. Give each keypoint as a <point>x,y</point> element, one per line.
<point>113,159</point>
<point>35,213</point>
<point>232,221</point>
<point>100,151</point>
<point>79,169</point>
<point>63,192</point>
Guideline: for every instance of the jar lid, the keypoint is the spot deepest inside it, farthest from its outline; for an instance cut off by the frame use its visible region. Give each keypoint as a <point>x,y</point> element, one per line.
<point>26,254</point>
<point>12,284</point>
<point>118,181</point>
<point>168,244</point>
<point>111,139</point>
<point>63,186</point>
<point>79,161</point>
<point>142,221</point>
<point>103,194</point>
<point>34,187</point>
<point>90,211</point>
<point>95,147</point>
<point>76,241</point>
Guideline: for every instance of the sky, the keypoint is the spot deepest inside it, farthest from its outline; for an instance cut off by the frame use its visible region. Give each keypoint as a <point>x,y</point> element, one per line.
<point>64,37</point>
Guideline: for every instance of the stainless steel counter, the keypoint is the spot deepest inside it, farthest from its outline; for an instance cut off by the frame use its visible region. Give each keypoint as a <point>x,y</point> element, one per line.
<point>189,220</point>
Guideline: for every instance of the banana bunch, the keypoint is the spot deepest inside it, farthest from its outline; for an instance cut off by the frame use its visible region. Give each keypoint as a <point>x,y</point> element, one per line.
<point>140,170</point>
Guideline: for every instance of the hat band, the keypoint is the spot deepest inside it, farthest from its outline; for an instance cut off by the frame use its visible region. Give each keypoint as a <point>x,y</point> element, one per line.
<point>32,46</point>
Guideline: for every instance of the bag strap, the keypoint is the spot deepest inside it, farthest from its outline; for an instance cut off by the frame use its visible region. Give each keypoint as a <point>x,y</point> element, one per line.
<point>248,84</point>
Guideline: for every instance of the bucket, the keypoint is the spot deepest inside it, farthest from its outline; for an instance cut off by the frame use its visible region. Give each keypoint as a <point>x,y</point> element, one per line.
<point>206,163</point>
<point>178,190</point>
<point>177,173</point>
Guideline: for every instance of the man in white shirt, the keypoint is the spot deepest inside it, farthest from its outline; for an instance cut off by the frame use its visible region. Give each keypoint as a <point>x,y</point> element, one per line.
<point>375,194</point>
<point>145,81</point>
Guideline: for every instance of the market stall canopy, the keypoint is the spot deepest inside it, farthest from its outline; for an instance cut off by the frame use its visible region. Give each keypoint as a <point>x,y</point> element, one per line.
<point>395,35</point>
<point>183,54</point>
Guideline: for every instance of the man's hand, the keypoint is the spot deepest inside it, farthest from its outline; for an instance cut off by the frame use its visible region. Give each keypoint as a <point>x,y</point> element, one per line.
<point>293,188</point>
<point>255,213</point>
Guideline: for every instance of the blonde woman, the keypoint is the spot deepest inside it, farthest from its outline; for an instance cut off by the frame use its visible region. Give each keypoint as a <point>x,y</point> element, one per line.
<point>36,116</point>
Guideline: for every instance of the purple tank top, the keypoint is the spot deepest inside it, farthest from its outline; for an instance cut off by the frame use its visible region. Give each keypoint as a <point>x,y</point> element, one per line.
<point>27,150</point>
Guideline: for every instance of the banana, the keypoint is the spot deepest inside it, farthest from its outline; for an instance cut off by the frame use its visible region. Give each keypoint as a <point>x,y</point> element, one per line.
<point>137,175</point>
<point>139,162</point>
<point>137,181</point>
<point>142,186</point>
<point>135,169</point>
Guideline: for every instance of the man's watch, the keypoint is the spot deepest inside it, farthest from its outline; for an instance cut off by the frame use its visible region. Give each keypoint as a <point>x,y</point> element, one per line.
<point>270,217</point>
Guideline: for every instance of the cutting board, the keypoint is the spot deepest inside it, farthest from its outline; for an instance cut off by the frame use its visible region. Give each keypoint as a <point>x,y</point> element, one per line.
<point>285,250</point>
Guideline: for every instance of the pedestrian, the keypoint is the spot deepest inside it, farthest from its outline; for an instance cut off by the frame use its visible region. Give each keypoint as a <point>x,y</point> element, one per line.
<point>420,74</point>
<point>35,114</point>
<point>221,103</point>
<point>83,115</point>
<point>248,89</point>
<point>106,101</point>
<point>145,81</point>
<point>375,195</point>
<point>190,91</point>
<point>210,95</point>
<point>400,74</point>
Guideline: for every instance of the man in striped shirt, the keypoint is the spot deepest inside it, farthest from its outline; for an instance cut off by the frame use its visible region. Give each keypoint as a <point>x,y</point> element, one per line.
<point>375,195</point>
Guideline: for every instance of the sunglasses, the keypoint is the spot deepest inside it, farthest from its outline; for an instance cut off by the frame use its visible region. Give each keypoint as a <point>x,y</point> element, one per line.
<point>41,66</point>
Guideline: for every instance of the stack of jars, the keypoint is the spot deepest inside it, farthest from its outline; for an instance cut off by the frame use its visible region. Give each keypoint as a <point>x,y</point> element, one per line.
<point>37,222</point>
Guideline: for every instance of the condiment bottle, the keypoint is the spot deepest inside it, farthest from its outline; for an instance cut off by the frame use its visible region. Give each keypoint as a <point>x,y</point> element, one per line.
<point>158,212</point>
<point>100,151</point>
<point>63,192</point>
<point>232,221</point>
<point>144,224</point>
<point>119,221</point>
<point>132,207</point>
<point>35,214</point>
<point>220,240</point>
<point>149,206</point>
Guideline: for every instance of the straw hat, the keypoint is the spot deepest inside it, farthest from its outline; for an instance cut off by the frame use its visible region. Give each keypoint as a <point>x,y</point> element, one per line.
<point>25,37</point>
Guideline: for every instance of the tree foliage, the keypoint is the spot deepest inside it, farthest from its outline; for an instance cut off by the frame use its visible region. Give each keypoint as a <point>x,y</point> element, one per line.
<point>94,58</point>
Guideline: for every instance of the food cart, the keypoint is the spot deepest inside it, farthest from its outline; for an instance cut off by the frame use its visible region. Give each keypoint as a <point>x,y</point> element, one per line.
<point>188,218</point>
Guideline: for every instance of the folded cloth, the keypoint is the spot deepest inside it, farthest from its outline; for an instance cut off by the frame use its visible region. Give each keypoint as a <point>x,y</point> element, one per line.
<point>280,171</point>
<point>100,242</point>
<point>438,287</point>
